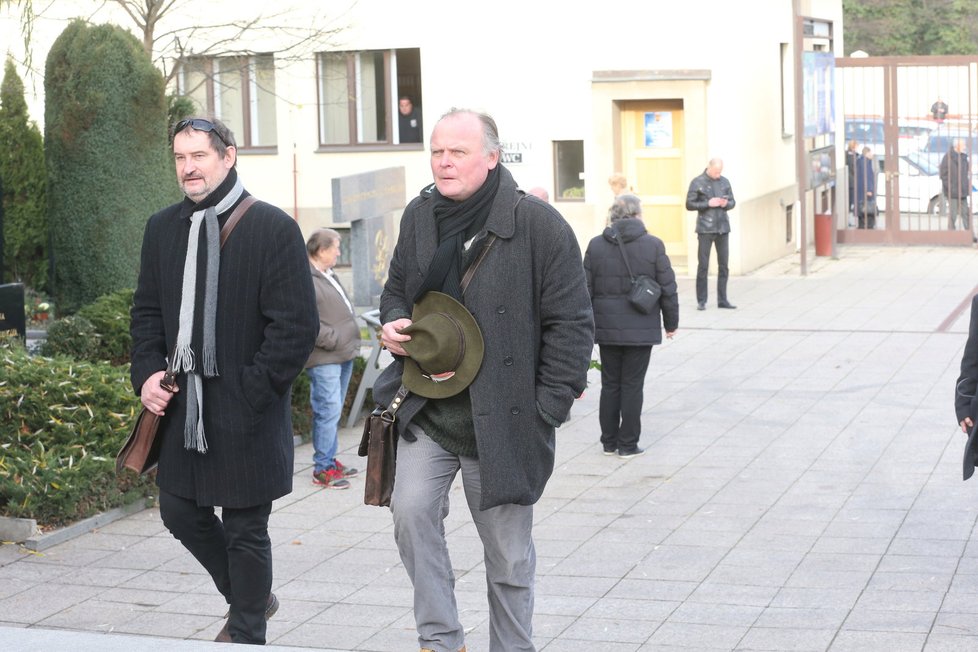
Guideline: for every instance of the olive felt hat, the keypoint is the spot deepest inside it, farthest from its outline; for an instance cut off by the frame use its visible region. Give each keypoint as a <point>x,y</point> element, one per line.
<point>445,348</point>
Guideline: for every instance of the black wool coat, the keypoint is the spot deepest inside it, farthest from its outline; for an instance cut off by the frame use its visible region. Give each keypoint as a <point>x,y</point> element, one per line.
<point>266,328</point>
<point>616,322</point>
<point>966,391</point>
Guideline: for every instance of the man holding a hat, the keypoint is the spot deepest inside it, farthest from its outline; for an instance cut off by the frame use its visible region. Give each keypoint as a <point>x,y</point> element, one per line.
<point>491,361</point>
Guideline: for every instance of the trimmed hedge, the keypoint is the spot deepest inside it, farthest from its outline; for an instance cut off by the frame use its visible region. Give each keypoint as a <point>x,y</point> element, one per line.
<point>25,227</point>
<point>63,421</point>
<point>108,161</point>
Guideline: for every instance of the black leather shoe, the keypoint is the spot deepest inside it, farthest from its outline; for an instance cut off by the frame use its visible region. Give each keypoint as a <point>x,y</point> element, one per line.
<point>224,636</point>
<point>701,305</point>
<point>727,305</point>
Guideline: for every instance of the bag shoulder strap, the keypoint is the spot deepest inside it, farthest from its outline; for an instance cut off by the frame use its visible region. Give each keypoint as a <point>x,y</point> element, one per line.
<point>624,256</point>
<point>236,216</point>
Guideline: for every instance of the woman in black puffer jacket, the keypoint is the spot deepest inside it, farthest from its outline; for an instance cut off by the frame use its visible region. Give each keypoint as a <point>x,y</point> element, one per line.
<point>626,336</point>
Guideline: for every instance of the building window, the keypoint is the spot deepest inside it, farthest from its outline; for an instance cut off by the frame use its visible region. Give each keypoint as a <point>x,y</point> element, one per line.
<point>359,95</point>
<point>569,169</point>
<point>239,91</point>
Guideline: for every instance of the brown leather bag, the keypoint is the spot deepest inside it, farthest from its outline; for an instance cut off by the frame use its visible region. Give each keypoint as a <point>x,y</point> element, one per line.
<point>379,446</point>
<point>141,452</point>
<point>379,441</point>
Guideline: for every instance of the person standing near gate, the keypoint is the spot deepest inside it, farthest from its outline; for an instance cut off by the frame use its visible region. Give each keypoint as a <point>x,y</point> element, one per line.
<point>865,190</point>
<point>955,171</point>
<point>711,196</point>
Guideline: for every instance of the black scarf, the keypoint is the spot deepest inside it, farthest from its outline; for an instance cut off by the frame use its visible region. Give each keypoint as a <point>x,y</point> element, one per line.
<point>457,222</point>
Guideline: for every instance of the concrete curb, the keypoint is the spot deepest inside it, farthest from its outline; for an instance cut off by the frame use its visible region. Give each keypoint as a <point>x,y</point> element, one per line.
<point>25,531</point>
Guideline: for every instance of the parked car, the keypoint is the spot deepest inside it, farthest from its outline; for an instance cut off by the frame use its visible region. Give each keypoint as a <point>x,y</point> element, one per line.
<point>920,186</point>
<point>913,134</point>
<point>939,143</point>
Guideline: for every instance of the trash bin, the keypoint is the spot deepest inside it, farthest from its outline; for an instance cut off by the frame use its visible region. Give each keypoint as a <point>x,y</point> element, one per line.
<point>823,235</point>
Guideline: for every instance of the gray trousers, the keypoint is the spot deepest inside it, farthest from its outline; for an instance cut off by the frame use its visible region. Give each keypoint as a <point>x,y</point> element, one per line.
<point>424,476</point>
<point>958,206</point>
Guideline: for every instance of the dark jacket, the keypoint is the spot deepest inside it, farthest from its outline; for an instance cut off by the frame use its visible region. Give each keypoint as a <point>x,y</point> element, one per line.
<point>955,171</point>
<point>711,219</point>
<point>615,320</point>
<point>339,335</point>
<point>864,186</point>
<point>266,327</point>
<point>529,297</point>
<point>965,394</point>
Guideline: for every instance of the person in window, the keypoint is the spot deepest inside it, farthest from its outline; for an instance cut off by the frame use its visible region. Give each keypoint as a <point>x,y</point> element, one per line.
<point>625,336</point>
<point>864,193</point>
<point>330,364</point>
<point>955,171</point>
<point>408,121</point>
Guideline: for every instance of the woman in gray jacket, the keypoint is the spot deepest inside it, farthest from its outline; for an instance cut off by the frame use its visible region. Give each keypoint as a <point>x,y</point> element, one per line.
<point>624,335</point>
<point>330,364</point>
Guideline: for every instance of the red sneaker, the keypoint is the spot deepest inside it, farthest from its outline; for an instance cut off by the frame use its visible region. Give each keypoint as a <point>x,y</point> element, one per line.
<point>331,478</point>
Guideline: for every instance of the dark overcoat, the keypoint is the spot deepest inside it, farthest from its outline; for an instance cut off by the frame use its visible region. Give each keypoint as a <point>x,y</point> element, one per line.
<point>530,300</point>
<point>616,322</point>
<point>266,328</point>
<point>966,391</point>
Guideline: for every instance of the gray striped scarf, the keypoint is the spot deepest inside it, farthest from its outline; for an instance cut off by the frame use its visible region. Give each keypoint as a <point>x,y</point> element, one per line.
<point>185,358</point>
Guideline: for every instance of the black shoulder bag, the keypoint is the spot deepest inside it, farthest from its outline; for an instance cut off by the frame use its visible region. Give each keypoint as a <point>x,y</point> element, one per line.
<point>645,291</point>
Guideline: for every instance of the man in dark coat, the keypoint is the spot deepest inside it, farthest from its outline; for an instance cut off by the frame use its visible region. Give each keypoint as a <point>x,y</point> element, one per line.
<point>625,335</point>
<point>955,171</point>
<point>529,299</point>
<point>236,323</point>
<point>711,196</point>
<point>864,185</point>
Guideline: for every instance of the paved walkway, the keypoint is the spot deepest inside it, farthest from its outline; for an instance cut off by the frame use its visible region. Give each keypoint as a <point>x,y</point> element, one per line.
<point>801,491</point>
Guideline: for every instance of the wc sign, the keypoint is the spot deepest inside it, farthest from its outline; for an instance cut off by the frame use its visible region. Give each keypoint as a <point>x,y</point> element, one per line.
<point>513,151</point>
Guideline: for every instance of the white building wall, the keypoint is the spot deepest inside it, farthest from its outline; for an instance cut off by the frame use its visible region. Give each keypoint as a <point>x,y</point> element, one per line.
<point>529,64</point>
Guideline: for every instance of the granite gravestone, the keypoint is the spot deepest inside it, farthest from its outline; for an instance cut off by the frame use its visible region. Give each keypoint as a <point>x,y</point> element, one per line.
<point>368,201</point>
<point>12,317</point>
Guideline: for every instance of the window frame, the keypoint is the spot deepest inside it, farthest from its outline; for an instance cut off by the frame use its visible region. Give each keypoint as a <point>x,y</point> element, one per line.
<point>248,89</point>
<point>391,94</point>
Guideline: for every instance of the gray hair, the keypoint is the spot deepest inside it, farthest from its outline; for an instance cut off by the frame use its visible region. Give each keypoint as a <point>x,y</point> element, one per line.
<point>321,239</point>
<point>490,133</point>
<point>626,205</point>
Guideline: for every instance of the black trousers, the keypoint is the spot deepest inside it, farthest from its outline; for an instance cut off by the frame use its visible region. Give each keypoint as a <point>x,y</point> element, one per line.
<point>620,409</point>
<point>707,241</point>
<point>237,552</point>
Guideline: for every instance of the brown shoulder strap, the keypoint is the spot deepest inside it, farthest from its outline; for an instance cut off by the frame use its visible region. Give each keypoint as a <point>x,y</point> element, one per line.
<point>236,216</point>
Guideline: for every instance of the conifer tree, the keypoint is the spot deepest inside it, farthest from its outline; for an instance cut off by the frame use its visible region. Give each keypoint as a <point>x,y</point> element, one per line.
<point>108,161</point>
<point>22,174</point>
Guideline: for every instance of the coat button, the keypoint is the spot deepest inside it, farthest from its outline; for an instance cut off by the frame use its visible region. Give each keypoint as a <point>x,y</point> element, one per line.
<point>514,410</point>
<point>501,309</point>
<point>508,361</point>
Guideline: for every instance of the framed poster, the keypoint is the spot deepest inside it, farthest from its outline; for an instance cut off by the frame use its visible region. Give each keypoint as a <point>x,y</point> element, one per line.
<point>658,129</point>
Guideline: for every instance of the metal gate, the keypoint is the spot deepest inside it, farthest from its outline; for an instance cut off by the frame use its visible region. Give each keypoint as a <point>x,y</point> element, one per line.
<point>909,112</point>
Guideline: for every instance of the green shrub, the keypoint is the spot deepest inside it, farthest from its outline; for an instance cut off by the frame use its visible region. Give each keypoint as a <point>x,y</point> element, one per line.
<point>110,316</point>
<point>63,421</point>
<point>73,337</point>
<point>108,161</point>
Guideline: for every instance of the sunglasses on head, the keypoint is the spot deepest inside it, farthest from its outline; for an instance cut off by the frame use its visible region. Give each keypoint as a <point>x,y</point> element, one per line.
<point>200,125</point>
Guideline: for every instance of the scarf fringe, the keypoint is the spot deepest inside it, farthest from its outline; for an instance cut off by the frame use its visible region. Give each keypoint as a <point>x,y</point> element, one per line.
<point>193,427</point>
